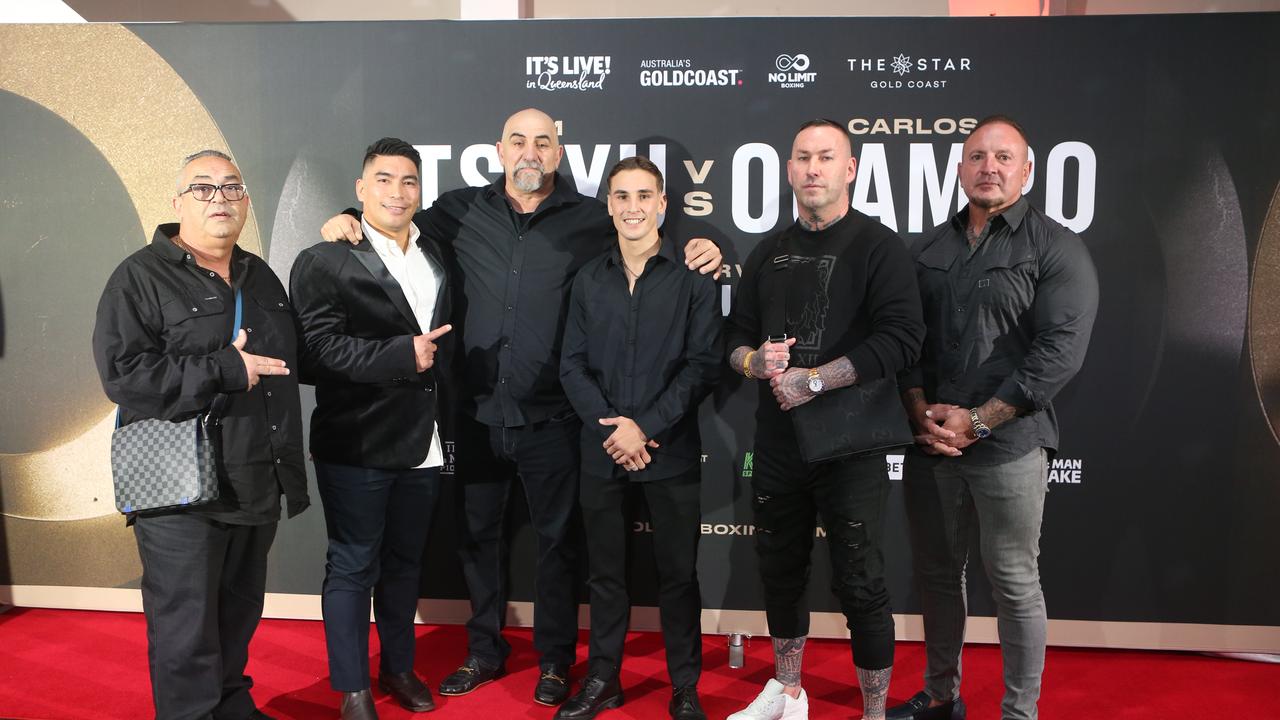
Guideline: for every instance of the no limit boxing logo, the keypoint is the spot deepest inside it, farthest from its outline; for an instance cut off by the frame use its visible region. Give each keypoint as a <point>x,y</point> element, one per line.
<point>792,71</point>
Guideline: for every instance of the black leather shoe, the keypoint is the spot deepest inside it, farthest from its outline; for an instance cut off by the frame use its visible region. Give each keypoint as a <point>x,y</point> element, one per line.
<point>553,685</point>
<point>917,708</point>
<point>358,706</point>
<point>684,704</point>
<point>471,674</point>
<point>408,690</point>
<point>596,694</point>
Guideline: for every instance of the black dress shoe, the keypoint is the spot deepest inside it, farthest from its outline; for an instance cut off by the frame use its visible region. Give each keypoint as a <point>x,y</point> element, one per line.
<point>684,704</point>
<point>471,674</point>
<point>553,685</point>
<point>358,706</point>
<point>917,708</point>
<point>408,690</point>
<point>596,694</point>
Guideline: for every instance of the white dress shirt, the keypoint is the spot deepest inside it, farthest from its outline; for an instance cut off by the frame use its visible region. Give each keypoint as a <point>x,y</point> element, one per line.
<point>420,281</point>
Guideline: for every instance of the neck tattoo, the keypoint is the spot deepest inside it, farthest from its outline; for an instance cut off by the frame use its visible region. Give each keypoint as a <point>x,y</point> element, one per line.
<point>814,223</point>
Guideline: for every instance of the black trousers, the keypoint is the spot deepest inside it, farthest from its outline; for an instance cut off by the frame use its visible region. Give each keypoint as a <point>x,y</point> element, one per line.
<point>202,589</point>
<point>377,522</point>
<point>544,457</point>
<point>675,509</point>
<point>850,496</point>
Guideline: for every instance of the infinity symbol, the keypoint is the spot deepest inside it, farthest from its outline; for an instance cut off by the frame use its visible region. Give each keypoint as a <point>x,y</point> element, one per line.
<point>799,62</point>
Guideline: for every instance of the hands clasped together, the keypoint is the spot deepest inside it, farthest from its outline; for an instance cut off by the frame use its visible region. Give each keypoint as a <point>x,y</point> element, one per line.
<point>942,429</point>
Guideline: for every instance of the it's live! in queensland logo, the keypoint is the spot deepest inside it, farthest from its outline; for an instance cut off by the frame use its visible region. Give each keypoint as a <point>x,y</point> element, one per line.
<point>567,72</point>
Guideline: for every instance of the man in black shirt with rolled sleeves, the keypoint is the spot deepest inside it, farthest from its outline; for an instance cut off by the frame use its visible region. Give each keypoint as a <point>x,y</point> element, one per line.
<point>641,351</point>
<point>1009,298</point>
<point>514,247</point>
<point>163,350</point>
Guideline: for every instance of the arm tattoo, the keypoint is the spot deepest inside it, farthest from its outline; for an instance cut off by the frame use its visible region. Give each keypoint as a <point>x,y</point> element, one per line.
<point>996,412</point>
<point>875,688</point>
<point>736,357</point>
<point>913,396</point>
<point>787,656</point>
<point>838,373</point>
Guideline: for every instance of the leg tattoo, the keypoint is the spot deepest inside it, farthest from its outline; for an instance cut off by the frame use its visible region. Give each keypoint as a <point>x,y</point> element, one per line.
<point>787,655</point>
<point>875,688</point>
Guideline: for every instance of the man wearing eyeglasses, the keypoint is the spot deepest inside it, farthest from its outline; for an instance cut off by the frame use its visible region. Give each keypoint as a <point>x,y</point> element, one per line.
<point>163,350</point>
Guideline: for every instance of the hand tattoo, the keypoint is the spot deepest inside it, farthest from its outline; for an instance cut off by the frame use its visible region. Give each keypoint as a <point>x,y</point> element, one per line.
<point>788,653</point>
<point>791,388</point>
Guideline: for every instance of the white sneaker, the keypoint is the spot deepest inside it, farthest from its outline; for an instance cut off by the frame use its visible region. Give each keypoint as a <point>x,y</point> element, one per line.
<point>773,704</point>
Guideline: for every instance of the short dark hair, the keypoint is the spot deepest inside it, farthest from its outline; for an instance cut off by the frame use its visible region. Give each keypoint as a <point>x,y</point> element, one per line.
<point>636,162</point>
<point>1003,120</point>
<point>828,122</point>
<point>389,146</point>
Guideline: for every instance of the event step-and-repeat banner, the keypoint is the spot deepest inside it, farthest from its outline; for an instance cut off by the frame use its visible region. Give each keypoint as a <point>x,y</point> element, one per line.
<point>1155,138</point>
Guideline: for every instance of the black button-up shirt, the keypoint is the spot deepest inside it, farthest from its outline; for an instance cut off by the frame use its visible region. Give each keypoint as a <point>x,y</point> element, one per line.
<point>1010,318</point>
<point>162,347</point>
<point>651,355</point>
<point>514,276</point>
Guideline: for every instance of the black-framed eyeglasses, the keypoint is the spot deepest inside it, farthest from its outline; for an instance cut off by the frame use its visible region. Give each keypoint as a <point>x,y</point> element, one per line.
<point>204,192</point>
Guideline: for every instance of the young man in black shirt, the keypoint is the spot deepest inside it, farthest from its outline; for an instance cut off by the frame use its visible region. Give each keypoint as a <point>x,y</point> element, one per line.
<point>852,315</point>
<point>641,351</point>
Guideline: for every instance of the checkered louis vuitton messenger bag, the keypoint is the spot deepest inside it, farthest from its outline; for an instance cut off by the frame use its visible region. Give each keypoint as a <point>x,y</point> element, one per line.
<point>160,464</point>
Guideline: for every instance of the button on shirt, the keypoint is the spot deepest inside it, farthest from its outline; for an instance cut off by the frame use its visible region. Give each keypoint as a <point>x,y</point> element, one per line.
<point>651,354</point>
<point>516,273</point>
<point>1008,318</point>
<point>420,283</point>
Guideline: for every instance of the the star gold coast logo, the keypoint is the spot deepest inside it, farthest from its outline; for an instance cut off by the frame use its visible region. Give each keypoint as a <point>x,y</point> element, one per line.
<point>927,73</point>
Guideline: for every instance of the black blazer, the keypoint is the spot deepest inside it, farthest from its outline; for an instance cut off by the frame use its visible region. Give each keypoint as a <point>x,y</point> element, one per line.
<point>373,409</point>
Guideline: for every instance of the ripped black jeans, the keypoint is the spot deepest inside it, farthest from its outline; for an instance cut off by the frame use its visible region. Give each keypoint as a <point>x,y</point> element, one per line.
<point>850,497</point>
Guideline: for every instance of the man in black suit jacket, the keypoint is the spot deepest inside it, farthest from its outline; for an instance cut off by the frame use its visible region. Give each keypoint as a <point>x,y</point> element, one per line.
<point>367,314</point>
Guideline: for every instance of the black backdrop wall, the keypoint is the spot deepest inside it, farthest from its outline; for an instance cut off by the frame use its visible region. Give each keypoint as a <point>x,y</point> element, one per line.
<point>1155,138</point>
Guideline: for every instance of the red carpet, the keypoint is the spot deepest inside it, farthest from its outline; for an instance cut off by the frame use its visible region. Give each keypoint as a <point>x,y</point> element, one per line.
<point>72,665</point>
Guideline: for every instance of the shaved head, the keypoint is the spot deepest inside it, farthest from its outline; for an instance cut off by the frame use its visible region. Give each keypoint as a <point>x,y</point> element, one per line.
<point>530,152</point>
<point>526,119</point>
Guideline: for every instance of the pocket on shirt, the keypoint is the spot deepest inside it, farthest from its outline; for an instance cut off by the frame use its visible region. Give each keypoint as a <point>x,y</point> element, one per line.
<point>191,326</point>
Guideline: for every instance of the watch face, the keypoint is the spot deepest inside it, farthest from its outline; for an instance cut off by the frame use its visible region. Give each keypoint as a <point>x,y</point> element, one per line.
<point>982,432</point>
<point>815,384</point>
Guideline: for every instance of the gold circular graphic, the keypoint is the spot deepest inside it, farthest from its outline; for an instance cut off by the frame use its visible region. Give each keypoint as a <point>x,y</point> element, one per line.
<point>1264,317</point>
<point>143,118</point>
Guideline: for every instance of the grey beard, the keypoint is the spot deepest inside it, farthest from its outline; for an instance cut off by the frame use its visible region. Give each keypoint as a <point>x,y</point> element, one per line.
<point>526,182</point>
